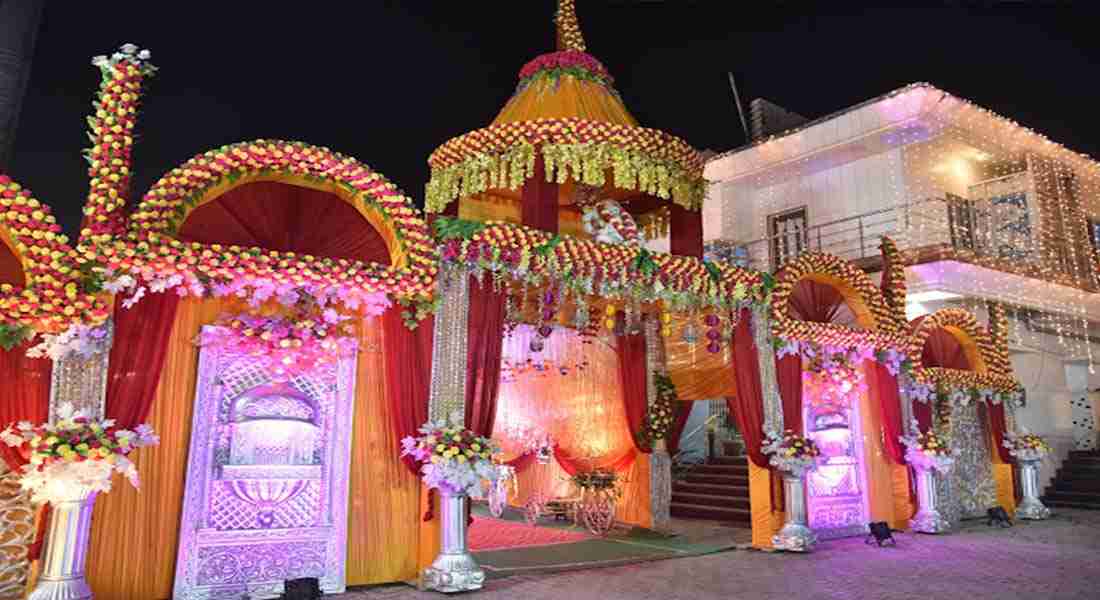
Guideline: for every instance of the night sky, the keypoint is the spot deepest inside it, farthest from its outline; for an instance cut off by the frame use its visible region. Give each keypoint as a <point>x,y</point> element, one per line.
<point>387,82</point>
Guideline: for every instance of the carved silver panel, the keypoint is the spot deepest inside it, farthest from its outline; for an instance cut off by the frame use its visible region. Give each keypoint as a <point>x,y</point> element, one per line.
<point>16,534</point>
<point>267,479</point>
<point>969,490</point>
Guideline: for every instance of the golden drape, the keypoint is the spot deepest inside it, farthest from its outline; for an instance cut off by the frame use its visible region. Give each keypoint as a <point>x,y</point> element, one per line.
<point>880,475</point>
<point>135,534</point>
<point>697,373</point>
<point>767,519</point>
<point>565,97</point>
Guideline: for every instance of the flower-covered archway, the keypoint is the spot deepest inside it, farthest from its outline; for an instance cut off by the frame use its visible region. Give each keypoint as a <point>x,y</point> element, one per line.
<point>982,363</point>
<point>39,287</point>
<point>203,179</point>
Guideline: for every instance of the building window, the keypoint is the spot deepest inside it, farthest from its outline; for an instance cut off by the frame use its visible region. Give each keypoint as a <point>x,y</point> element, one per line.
<point>788,233</point>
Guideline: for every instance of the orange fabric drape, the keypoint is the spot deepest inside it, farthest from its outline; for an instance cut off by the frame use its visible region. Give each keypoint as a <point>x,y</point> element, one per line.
<point>384,498</point>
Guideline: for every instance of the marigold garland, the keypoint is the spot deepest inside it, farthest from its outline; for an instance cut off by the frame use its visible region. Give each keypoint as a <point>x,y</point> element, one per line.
<point>661,416</point>
<point>572,149</point>
<point>992,349</point>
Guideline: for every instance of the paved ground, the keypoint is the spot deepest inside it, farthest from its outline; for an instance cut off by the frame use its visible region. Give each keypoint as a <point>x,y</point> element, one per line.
<point>1055,559</point>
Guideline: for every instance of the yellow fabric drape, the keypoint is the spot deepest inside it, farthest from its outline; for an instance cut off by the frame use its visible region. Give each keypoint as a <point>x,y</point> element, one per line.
<point>563,98</point>
<point>1002,475</point>
<point>135,534</point>
<point>384,499</point>
<point>697,373</point>
<point>767,519</point>
<point>880,476</point>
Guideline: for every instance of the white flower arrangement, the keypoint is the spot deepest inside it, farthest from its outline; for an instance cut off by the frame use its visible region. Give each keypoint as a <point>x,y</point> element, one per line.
<point>1026,446</point>
<point>126,53</point>
<point>78,340</point>
<point>790,452</point>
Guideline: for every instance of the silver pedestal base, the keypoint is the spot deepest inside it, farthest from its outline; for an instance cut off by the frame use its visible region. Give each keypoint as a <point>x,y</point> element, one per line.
<point>1031,507</point>
<point>65,549</point>
<point>795,535</point>
<point>61,589</point>
<point>455,569</point>
<point>928,518</point>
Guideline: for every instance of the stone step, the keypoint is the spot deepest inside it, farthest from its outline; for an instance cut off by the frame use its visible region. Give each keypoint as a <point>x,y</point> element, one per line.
<point>730,448</point>
<point>1065,504</point>
<point>714,513</point>
<point>722,469</point>
<point>738,480</point>
<point>740,460</point>
<point>1065,496</point>
<point>722,501</point>
<point>729,491</point>
<point>1076,485</point>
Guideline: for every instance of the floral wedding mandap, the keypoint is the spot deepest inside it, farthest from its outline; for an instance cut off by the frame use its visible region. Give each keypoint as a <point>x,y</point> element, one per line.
<point>282,317</point>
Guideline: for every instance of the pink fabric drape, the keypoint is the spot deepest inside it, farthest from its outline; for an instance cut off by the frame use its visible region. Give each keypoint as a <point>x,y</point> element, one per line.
<point>485,331</point>
<point>788,376</point>
<point>747,405</point>
<point>885,386</point>
<point>287,218</point>
<point>408,364</point>
<point>573,465</point>
<point>137,356</point>
<point>25,397</point>
<point>632,373</point>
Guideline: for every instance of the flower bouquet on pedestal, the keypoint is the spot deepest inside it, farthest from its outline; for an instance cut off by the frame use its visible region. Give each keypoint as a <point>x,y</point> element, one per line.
<point>1026,446</point>
<point>71,461</point>
<point>1029,450</point>
<point>794,455</point>
<point>76,454</point>
<point>454,461</point>
<point>927,450</point>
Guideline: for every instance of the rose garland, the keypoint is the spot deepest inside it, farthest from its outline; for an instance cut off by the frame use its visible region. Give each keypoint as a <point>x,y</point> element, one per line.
<point>572,149</point>
<point>573,63</point>
<point>660,417</point>
<point>52,300</point>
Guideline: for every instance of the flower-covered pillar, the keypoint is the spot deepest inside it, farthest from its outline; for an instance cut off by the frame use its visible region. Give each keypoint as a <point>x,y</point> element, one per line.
<point>660,463</point>
<point>454,569</point>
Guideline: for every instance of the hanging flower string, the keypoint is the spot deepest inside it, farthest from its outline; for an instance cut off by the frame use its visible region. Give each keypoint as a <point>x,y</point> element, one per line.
<point>659,418</point>
<point>453,458</point>
<point>76,454</point>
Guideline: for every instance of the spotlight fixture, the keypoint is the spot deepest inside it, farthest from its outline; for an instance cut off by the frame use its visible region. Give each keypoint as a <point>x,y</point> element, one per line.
<point>302,589</point>
<point>881,534</point>
<point>998,516</point>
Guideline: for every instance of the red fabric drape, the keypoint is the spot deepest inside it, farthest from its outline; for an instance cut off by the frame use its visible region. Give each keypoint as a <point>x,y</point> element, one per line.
<point>942,349</point>
<point>137,356</point>
<point>998,426</point>
<point>788,375</point>
<point>408,364</point>
<point>484,343</point>
<point>685,231</point>
<point>288,218</point>
<point>815,302</point>
<point>11,268</point>
<point>886,390</point>
<point>573,465</point>
<point>683,412</point>
<point>633,375</point>
<point>748,405</point>
<point>521,462</point>
<point>540,200</point>
<point>922,412</point>
<point>25,396</point>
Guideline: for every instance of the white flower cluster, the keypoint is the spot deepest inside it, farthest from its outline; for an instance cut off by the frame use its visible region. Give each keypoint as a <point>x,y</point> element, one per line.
<point>126,53</point>
<point>78,340</point>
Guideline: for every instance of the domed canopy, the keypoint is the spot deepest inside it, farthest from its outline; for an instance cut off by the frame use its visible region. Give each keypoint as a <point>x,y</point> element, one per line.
<point>567,121</point>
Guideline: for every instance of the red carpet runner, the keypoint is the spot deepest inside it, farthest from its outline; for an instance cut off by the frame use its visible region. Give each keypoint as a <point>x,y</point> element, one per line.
<point>495,534</point>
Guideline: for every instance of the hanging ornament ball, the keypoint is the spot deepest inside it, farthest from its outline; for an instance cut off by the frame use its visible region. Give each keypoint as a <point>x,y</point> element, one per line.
<point>609,310</point>
<point>714,347</point>
<point>545,331</point>
<point>536,344</point>
<point>666,318</point>
<point>609,323</point>
<point>711,320</point>
<point>713,335</point>
<point>666,331</point>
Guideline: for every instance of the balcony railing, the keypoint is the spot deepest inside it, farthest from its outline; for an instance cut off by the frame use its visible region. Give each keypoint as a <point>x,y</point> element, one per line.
<point>932,229</point>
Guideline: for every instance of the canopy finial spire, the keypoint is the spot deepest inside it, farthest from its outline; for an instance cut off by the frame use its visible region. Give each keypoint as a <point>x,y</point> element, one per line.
<point>569,29</point>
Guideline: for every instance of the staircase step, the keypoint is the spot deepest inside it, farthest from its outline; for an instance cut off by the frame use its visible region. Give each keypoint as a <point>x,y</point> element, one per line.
<point>739,460</point>
<point>738,480</point>
<point>729,491</point>
<point>721,469</point>
<point>695,511</point>
<point>710,500</point>
<point>1076,485</point>
<point>1065,504</point>
<point>1064,496</point>
<point>732,448</point>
